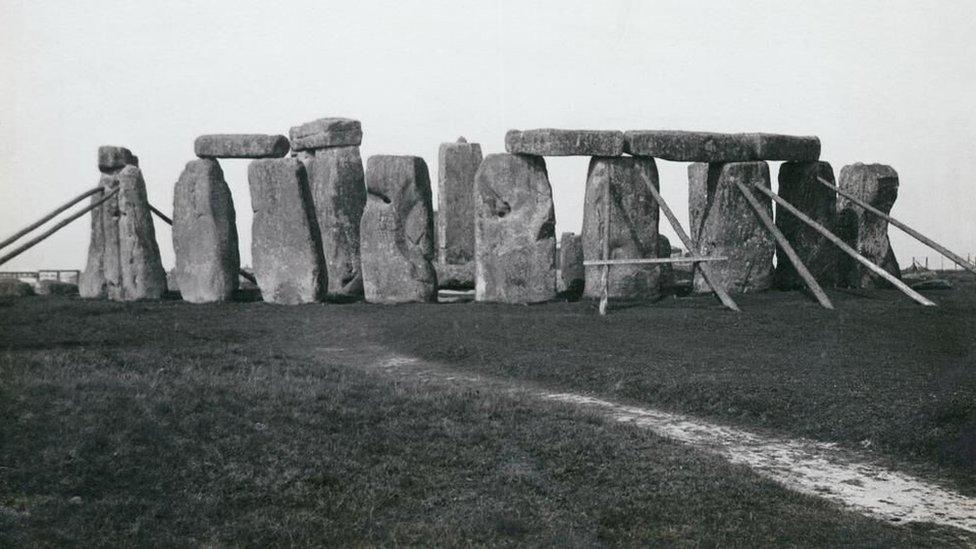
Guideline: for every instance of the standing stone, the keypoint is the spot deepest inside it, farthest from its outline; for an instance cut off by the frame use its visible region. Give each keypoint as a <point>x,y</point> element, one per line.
<point>515,240</point>
<point>458,162</point>
<point>799,186</point>
<point>91,282</point>
<point>136,270</point>
<point>667,269</point>
<point>867,233</point>
<point>338,189</point>
<point>112,159</point>
<point>205,234</point>
<point>286,247</point>
<point>633,226</point>
<point>571,272</point>
<point>397,231</point>
<point>723,224</point>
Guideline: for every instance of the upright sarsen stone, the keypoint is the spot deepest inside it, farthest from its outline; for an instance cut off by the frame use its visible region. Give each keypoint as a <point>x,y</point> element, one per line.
<point>633,226</point>
<point>799,186</point>
<point>286,247</point>
<point>338,190</point>
<point>867,233</point>
<point>397,231</point>
<point>139,268</point>
<point>515,240</point>
<point>205,234</point>
<point>571,272</point>
<point>723,224</point>
<point>91,282</point>
<point>458,163</point>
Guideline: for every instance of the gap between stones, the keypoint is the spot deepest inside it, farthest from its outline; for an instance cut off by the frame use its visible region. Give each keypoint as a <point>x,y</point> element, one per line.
<point>815,468</point>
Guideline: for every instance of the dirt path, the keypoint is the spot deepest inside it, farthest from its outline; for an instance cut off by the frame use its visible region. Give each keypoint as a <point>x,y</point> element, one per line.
<point>816,468</point>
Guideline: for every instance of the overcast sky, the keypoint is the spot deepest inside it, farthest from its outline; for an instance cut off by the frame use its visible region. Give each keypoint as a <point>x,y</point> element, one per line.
<point>891,82</point>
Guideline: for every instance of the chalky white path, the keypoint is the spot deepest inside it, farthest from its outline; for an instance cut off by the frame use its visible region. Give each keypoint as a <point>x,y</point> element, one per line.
<point>810,467</point>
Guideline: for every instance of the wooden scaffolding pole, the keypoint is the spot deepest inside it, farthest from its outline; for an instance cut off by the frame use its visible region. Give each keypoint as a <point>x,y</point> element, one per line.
<point>31,243</point>
<point>915,234</point>
<point>651,261</point>
<point>49,216</point>
<point>250,278</point>
<point>801,269</point>
<point>690,246</point>
<point>847,249</point>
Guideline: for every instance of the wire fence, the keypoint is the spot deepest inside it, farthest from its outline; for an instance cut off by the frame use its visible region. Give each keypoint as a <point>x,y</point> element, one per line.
<point>939,263</point>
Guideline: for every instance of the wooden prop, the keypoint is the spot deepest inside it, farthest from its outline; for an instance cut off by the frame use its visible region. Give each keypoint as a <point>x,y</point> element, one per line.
<point>49,216</point>
<point>31,243</point>
<point>847,249</point>
<point>651,260</point>
<point>917,235</point>
<point>801,269</point>
<point>690,246</point>
<point>250,278</point>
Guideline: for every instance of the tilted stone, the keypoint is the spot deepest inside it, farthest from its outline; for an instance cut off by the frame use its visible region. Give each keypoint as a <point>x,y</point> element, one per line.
<point>286,247</point>
<point>685,146</point>
<point>205,234</point>
<point>799,186</point>
<point>397,231</point>
<point>458,162</point>
<point>723,224</point>
<point>633,226</point>
<point>91,282</point>
<point>553,142</point>
<point>571,274</point>
<point>338,189</point>
<point>515,240</point>
<point>241,145</point>
<point>867,233</point>
<point>111,158</point>
<point>133,268</point>
<point>326,132</point>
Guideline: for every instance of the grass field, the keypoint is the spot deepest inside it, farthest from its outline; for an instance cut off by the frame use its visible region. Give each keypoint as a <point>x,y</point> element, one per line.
<point>250,424</point>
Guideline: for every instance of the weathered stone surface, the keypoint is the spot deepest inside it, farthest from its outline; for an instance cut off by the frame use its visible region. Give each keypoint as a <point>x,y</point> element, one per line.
<point>111,158</point>
<point>286,247</point>
<point>798,185</point>
<point>455,277</point>
<point>633,226</point>
<point>241,145</point>
<point>723,224</point>
<point>133,268</point>
<point>515,240</point>
<point>458,162</point>
<point>867,233</point>
<point>667,269</point>
<point>205,234</point>
<point>397,231</point>
<point>571,272</point>
<point>91,281</point>
<point>553,142</point>
<point>685,146</point>
<point>326,132</point>
<point>338,188</point>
